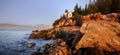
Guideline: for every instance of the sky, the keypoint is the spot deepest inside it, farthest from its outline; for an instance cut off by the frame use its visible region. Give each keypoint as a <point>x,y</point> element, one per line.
<point>32,12</point>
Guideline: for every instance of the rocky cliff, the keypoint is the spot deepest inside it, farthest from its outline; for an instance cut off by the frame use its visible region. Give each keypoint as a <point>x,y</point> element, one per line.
<point>98,35</point>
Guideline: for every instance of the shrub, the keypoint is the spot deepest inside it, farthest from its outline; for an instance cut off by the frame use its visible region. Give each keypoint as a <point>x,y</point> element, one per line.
<point>79,21</point>
<point>58,21</point>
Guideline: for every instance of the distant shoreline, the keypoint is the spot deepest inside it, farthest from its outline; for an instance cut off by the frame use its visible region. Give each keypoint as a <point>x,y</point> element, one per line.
<point>16,29</point>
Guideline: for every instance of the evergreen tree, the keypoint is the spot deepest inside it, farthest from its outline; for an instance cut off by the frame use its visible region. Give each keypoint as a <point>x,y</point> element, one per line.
<point>76,11</point>
<point>108,6</point>
<point>92,8</point>
<point>115,6</point>
<point>103,6</point>
<point>86,10</point>
<point>100,4</point>
<point>79,10</point>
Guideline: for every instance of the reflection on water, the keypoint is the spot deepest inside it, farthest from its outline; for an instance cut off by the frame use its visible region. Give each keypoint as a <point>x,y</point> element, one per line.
<point>15,42</point>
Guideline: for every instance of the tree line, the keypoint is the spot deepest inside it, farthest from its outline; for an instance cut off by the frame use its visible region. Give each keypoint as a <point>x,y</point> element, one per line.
<point>95,6</point>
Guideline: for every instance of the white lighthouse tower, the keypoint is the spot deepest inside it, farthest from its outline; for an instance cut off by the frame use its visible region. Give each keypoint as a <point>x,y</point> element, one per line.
<point>67,14</point>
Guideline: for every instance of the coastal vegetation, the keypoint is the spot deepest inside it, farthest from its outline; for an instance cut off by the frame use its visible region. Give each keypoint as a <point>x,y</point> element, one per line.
<point>94,6</point>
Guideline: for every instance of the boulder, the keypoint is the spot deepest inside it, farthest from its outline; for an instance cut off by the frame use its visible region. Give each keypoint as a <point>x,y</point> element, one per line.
<point>100,36</point>
<point>30,45</point>
<point>59,47</point>
<point>36,53</point>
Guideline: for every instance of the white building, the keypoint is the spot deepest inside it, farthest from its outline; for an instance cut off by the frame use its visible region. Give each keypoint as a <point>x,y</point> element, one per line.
<point>68,14</point>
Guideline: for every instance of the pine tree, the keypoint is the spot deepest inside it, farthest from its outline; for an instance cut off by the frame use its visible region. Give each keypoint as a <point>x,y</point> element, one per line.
<point>86,10</point>
<point>79,10</point>
<point>91,8</point>
<point>115,6</point>
<point>94,6</point>
<point>76,11</point>
<point>100,4</point>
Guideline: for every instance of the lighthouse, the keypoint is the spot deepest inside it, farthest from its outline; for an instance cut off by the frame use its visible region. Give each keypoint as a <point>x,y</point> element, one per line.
<point>67,14</point>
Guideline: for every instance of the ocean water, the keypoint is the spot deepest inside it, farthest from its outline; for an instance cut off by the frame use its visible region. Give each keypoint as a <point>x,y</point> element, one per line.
<point>15,42</point>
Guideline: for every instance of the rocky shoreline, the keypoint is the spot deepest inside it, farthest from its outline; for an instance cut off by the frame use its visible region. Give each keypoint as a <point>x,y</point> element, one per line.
<point>93,34</point>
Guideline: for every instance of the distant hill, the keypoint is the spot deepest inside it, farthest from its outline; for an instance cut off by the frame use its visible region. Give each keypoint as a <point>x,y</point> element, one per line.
<point>15,26</point>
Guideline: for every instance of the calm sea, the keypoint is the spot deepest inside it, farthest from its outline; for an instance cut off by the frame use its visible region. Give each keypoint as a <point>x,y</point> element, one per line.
<point>15,42</point>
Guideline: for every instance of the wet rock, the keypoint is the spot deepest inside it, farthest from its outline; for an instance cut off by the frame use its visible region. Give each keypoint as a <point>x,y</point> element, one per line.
<point>63,44</point>
<point>46,46</point>
<point>59,47</point>
<point>45,34</point>
<point>30,45</point>
<point>36,53</point>
<point>89,51</point>
<point>33,35</point>
<point>35,30</point>
<point>76,39</point>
